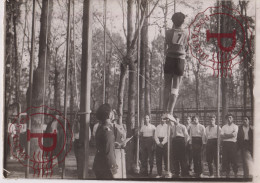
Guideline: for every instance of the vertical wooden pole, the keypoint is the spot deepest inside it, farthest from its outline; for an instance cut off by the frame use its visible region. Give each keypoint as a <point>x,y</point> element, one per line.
<point>218,106</point>
<point>86,82</point>
<point>169,174</point>
<point>30,86</point>
<point>66,82</point>
<point>105,51</point>
<point>138,83</point>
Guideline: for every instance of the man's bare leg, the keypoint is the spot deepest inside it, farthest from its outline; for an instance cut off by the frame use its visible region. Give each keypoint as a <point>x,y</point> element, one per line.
<point>174,92</point>
<point>167,91</point>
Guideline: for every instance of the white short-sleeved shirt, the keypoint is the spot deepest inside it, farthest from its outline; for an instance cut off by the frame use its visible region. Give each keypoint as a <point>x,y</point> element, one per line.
<point>229,129</point>
<point>198,130</point>
<point>161,132</point>
<point>212,132</point>
<point>148,130</point>
<point>179,130</point>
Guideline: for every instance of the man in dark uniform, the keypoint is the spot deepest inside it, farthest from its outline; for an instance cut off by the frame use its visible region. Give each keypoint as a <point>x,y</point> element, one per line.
<point>105,166</point>
<point>245,144</point>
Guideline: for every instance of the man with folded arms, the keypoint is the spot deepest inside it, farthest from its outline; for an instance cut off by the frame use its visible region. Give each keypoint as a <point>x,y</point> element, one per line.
<point>229,152</point>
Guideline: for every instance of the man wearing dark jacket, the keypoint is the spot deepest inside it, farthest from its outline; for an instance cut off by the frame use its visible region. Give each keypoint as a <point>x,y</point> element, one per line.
<point>105,166</point>
<point>245,144</point>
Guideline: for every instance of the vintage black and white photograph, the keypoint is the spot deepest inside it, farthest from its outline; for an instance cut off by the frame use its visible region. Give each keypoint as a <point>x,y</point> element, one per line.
<point>148,90</point>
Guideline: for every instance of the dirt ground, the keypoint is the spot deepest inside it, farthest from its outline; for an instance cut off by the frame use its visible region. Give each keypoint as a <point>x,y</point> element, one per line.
<point>16,170</point>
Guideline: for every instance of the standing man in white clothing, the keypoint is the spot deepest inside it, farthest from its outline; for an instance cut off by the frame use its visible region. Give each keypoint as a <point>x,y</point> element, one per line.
<point>147,144</point>
<point>212,144</point>
<point>229,153</point>
<point>198,141</point>
<point>180,138</point>
<point>161,140</point>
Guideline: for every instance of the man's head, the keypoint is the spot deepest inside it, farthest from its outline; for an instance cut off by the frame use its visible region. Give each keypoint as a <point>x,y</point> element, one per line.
<point>163,121</point>
<point>246,121</point>
<point>212,119</point>
<point>188,120</point>
<point>195,119</point>
<point>229,118</point>
<point>178,19</point>
<point>177,121</point>
<point>104,113</point>
<point>147,119</point>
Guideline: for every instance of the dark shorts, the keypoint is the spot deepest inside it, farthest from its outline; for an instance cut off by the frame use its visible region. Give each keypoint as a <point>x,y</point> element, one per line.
<point>174,66</point>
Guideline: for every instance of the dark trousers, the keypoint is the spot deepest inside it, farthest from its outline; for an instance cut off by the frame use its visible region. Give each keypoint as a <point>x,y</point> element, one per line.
<point>76,151</point>
<point>189,156</point>
<point>196,154</point>
<point>161,155</point>
<point>147,153</point>
<point>211,154</point>
<point>229,154</point>
<point>179,161</point>
<point>247,158</point>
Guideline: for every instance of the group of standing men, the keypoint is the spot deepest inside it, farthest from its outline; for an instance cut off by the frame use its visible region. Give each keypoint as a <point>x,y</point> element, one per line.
<point>177,144</point>
<point>189,141</point>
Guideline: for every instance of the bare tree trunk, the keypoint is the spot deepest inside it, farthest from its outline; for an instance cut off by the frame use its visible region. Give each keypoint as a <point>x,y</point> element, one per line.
<point>249,60</point>
<point>108,73</point>
<point>85,87</point>
<point>8,74</point>
<point>16,61</point>
<point>121,89</point>
<point>197,90</point>
<point>38,89</point>
<point>142,68</point>
<point>225,27</point>
<point>123,66</point>
<point>130,149</point>
<point>131,97</point>
<point>57,91</point>
<point>146,59</point>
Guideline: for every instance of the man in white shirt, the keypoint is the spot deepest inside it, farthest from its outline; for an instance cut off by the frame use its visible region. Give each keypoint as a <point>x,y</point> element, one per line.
<point>198,141</point>
<point>11,133</point>
<point>187,124</point>
<point>229,152</point>
<point>180,138</point>
<point>212,142</point>
<point>161,140</point>
<point>147,145</point>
